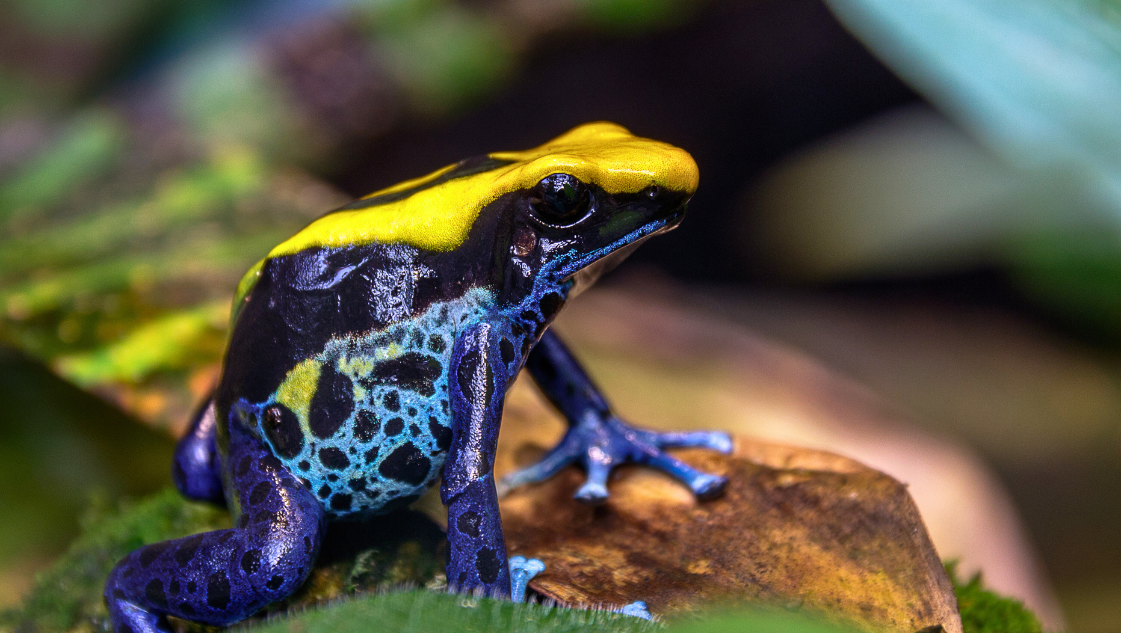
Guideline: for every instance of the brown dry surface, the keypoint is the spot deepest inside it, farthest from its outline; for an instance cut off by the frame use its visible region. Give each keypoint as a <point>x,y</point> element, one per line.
<point>795,528</point>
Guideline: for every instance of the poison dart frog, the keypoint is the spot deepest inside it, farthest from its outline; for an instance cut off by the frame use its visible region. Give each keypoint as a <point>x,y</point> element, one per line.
<point>370,355</point>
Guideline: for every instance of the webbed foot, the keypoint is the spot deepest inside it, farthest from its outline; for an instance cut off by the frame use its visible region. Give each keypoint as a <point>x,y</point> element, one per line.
<point>522,570</point>
<point>602,444</point>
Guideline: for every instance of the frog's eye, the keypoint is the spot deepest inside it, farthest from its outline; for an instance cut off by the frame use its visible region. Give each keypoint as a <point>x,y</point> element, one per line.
<point>560,200</point>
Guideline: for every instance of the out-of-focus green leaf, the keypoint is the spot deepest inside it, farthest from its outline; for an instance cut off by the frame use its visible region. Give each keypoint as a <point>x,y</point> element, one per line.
<point>179,200</point>
<point>170,342</point>
<point>74,17</point>
<point>226,94</point>
<point>14,91</point>
<point>204,257</point>
<point>1077,272</point>
<point>757,622</point>
<point>1040,80</point>
<point>634,15</point>
<point>448,58</point>
<point>420,611</point>
<point>90,144</point>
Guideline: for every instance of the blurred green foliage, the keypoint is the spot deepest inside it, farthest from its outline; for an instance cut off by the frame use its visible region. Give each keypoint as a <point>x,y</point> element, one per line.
<point>756,622</point>
<point>1077,273</point>
<point>635,15</point>
<point>226,95</point>
<point>75,18</point>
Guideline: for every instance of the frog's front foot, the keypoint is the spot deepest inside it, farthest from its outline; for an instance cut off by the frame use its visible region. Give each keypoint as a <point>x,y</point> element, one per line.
<point>601,444</point>
<point>522,570</point>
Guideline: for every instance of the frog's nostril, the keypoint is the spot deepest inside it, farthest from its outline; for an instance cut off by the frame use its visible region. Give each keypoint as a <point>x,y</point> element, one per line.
<point>524,241</point>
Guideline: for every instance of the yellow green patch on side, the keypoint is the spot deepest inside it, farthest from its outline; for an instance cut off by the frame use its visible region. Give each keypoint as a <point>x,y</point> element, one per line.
<point>244,287</point>
<point>298,389</point>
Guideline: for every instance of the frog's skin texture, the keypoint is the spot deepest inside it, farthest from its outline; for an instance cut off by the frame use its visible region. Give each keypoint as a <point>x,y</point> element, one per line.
<point>370,355</point>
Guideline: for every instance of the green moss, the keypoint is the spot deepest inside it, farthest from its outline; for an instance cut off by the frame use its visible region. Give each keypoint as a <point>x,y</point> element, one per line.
<point>983,611</point>
<point>67,597</point>
<point>359,561</point>
<point>405,548</point>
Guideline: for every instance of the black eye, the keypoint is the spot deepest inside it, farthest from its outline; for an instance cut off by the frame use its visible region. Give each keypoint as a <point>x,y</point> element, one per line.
<point>560,199</point>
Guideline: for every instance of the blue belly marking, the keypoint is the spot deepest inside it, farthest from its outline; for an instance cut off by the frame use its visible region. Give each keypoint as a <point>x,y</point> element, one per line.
<point>373,413</point>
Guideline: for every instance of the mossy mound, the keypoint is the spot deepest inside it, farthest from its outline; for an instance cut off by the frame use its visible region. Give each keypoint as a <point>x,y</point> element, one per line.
<point>403,549</point>
<point>67,596</point>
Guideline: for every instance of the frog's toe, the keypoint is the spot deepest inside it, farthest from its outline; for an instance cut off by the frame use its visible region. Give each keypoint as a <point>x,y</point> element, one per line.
<point>129,617</point>
<point>636,609</point>
<point>713,440</point>
<point>592,493</point>
<point>522,570</point>
<point>563,454</point>
<point>704,485</point>
<point>709,486</point>
<point>594,490</point>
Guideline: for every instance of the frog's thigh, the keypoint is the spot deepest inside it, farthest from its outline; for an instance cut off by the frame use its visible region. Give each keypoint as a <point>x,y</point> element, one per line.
<point>223,576</point>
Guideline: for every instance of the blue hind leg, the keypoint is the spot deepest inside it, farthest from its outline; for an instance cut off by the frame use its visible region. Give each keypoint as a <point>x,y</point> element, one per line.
<point>223,576</point>
<point>195,467</point>
<point>598,439</point>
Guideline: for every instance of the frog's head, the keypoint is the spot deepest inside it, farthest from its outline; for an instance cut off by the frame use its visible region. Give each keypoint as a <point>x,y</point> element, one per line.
<point>588,198</point>
<point>561,213</point>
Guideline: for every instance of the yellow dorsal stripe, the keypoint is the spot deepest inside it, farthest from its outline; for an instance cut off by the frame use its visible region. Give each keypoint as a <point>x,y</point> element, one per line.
<point>439,218</point>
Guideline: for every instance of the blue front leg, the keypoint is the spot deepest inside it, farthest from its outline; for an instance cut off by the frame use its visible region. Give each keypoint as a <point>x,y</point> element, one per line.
<point>601,441</point>
<point>477,553</point>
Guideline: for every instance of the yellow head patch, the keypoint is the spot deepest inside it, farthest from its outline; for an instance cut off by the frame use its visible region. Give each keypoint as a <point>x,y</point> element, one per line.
<point>439,216</point>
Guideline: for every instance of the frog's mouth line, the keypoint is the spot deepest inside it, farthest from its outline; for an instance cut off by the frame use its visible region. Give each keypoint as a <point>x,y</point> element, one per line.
<point>585,271</point>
